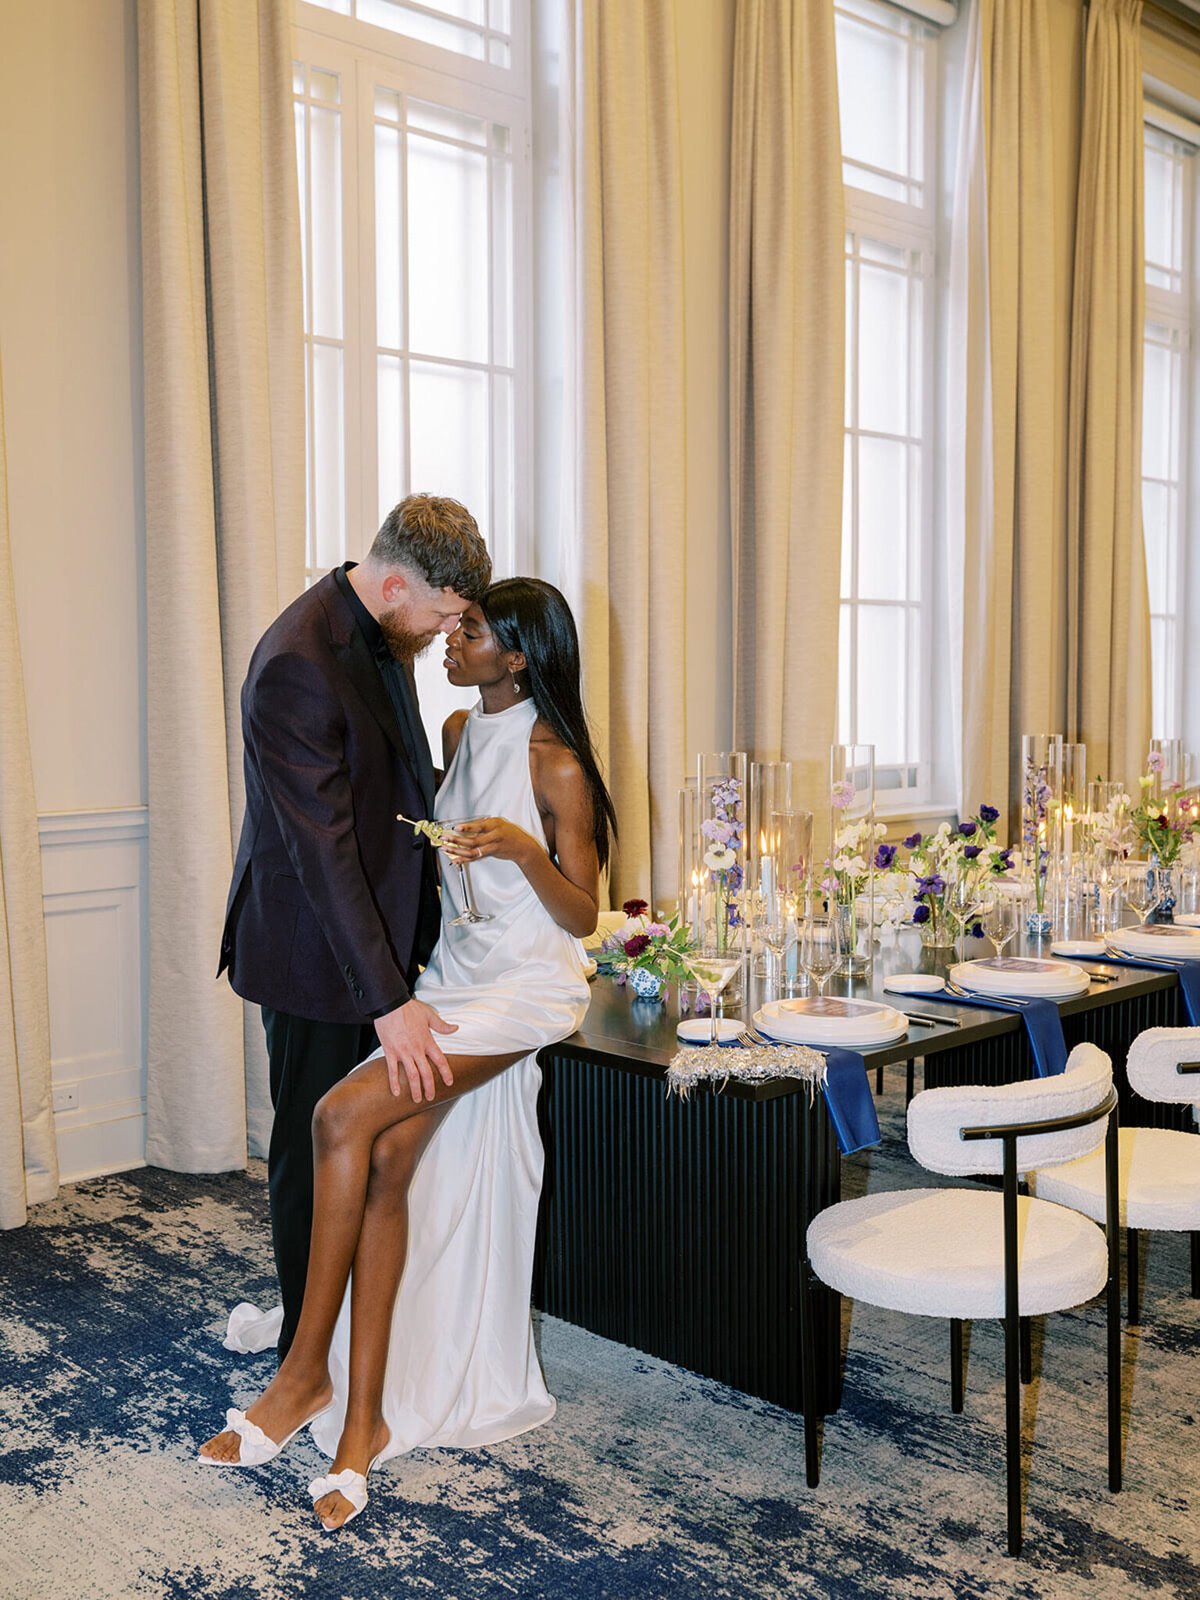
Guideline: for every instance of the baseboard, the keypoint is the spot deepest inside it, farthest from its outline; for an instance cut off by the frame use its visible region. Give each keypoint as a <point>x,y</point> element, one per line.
<point>96,1149</point>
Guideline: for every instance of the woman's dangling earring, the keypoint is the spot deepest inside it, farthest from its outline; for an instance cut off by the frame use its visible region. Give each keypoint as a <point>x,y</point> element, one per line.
<point>516,685</point>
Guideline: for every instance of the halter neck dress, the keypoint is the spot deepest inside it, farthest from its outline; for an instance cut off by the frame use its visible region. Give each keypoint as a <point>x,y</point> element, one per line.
<point>462,1369</point>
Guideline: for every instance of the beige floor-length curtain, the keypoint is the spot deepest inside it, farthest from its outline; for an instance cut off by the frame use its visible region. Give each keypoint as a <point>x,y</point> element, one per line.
<point>28,1154</point>
<point>224,516</point>
<point>623,491</point>
<point>1009,565</point>
<point>1108,666</point>
<point>787,339</point>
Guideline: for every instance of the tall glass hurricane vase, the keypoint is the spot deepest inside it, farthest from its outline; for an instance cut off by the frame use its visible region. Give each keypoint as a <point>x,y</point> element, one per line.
<point>850,875</point>
<point>1041,806</point>
<point>721,807</point>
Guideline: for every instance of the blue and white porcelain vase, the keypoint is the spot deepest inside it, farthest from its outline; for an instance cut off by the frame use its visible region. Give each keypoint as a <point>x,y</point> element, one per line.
<point>646,985</point>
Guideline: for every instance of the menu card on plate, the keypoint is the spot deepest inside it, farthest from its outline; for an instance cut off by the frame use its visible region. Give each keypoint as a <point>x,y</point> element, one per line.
<point>1017,964</point>
<point>831,1006</point>
<point>1162,930</point>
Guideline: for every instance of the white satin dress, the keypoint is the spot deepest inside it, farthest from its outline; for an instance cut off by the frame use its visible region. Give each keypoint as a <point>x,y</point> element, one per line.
<point>462,1368</point>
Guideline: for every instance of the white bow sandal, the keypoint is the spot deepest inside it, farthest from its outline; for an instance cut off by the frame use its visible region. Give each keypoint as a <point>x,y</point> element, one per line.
<point>256,1447</point>
<point>350,1485</point>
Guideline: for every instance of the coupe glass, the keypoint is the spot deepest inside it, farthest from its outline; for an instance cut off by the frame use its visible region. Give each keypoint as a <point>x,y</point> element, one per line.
<point>821,947</point>
<point>471,912</point>
<point>714,969</point>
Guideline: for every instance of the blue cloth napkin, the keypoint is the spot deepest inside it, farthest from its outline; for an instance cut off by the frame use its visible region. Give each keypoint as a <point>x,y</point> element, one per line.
<point>1043,1028</point>
<point>1189,978</point>
<point>849,1100</point>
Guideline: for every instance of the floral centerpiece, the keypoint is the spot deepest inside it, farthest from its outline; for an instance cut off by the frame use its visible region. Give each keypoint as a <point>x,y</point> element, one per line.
<point>645,953</point>
<point>1036,797</point>
<point>722,836</point>
<point>848,872</point>
<point>1162,824</point>
<point>936,862</point>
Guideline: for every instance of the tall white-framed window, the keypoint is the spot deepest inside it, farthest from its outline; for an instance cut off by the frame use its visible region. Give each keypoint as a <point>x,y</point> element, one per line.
<point>413,147</point>
<point>887,78</point>
<point>1166,366</point>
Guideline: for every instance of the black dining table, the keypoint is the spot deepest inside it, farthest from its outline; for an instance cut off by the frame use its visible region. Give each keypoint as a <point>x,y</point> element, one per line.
<point>676,1226</point>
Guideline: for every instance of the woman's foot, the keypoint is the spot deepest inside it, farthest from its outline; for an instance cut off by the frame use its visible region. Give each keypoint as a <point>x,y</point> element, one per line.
<point>358,1450</point>
<point>283,1408</point>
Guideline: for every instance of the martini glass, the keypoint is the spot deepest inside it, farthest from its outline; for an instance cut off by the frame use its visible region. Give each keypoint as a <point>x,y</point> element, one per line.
<point>471,912</point>
<point>714,969</point>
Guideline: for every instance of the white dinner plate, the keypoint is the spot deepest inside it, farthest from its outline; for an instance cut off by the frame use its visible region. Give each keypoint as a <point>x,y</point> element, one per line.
<point>698,1030</point>
<point>1189,919</point>
<point>914,983</point>
<point>1159,939</point>
<point>1020,976</point>
<point>1078,947</point>
<point>832,1021</point>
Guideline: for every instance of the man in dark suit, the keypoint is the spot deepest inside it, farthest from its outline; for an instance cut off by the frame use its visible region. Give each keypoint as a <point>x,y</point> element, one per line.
<point>333,905</point>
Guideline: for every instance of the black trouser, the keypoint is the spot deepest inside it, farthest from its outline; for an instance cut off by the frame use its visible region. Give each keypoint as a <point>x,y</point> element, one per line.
<point>307,1058</point>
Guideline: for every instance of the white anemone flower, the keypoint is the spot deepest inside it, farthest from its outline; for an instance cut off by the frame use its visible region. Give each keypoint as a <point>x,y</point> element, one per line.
<point>719,858</point>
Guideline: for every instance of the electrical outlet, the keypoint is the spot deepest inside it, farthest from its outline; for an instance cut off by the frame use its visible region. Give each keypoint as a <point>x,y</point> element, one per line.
<point>66,1098</point>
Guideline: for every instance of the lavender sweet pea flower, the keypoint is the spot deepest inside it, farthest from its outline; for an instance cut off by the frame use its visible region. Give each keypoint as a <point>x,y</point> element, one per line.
<point>1156,761</point>
<point>884,856</point>
<point>912,841</point>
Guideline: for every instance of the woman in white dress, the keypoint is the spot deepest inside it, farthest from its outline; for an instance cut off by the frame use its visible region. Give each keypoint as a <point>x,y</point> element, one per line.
<point>442,1228</point>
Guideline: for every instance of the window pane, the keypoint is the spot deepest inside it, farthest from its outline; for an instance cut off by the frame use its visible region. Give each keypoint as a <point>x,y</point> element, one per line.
<point>1160,206</point>
<point>847,579</point>
<point>447,250</point>
<point>443,120</point>
<point>1156,521</point>
<point>390,431</point>
<point>302,176</point>
<point>845,678</point>
<point>1157,411</point>
<point>325,86</point>
<point>883,346</point>
<point>503,497</point>
<point>326,134</point>
<point>872,69</point>
<point>389,263</point>
<point>502,254</point>
<point>400,18</point>
<point>1162,656</point>
<point>450,435</point>
<point>882,521</point>
<point>329,456</point>
<point>882,681</point>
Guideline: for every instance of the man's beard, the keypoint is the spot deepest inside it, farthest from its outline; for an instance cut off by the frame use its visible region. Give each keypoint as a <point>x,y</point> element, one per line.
<point>404,644</point>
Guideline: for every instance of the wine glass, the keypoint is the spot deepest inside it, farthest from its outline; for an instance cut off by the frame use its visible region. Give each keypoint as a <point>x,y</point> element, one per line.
<point>714,969</point>
<point>775,925</point>
<point>471,912</point>
<point>1141,889</point>
<point>1000,918</point>
<point>964,899</point>
<point>821,944</point>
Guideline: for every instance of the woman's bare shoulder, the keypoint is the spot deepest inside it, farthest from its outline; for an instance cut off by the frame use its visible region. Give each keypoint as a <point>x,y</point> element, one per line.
<point>550,758</point>
<point>451,733</point>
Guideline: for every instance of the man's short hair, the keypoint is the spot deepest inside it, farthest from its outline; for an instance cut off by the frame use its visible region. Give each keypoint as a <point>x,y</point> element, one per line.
<point>438,538</point>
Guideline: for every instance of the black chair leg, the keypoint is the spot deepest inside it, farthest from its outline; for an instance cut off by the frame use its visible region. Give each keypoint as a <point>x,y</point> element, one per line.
<point>878,1080</point>
<point>956,1364</point>
<point>1012,1429</point>
<point>808,1380</point>
<point>1195,1238</point>
<point>1132,1275</point>
<point>1026,1351</point>
<point>910,1081</point>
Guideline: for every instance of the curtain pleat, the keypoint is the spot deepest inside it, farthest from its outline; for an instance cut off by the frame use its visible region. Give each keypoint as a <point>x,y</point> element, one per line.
<point>624,480</point>
<point>28,1153</point>
<point>787,335</point>
<point>1009,568</point>
<point>224,517</point>
<point>1108,641</point>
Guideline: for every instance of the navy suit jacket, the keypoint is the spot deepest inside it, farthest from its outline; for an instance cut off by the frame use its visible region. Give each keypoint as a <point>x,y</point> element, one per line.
<point>333,903</point>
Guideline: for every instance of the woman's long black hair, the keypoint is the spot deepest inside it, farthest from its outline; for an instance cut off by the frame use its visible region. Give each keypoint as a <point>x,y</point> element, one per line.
<point>528,615</point>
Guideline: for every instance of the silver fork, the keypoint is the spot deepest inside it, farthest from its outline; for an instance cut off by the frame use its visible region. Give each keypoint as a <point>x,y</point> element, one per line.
<point>965,994</point>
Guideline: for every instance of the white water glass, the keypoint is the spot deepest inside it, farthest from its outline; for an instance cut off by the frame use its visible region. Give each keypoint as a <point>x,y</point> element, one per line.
<point>1001,915</point>
<point>821,948</point>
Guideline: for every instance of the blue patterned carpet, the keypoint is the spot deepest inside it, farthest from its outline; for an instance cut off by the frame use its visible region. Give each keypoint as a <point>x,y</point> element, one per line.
<point>650,1481</point>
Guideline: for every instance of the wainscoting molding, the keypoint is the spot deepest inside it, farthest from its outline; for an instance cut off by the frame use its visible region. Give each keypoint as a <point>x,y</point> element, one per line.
<point>94,897</point>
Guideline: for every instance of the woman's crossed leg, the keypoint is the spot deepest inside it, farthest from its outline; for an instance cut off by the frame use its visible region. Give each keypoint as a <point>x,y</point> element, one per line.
<point>366,1145</point>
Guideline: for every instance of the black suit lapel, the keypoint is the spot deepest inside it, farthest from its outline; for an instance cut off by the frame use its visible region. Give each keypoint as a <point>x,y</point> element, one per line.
<point>359,666</point>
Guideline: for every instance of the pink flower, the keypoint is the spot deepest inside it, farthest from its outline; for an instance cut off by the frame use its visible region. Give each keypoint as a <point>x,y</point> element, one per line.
<point>1156,761</point>
<point>657,930</point>
<point>843,793</point>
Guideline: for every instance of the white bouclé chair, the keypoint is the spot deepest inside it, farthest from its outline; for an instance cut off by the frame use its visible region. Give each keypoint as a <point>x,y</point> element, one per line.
<point>1159,1168</point>
<point>963,1253</point>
